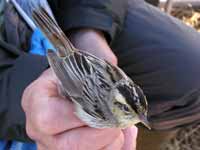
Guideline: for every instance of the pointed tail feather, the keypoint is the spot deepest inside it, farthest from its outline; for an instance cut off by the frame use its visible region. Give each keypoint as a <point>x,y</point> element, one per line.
<point>53,32</point>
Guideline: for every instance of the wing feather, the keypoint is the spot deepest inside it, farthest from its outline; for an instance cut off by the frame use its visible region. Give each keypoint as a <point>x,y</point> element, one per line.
<point>85,78</point>
<point>69,81</point>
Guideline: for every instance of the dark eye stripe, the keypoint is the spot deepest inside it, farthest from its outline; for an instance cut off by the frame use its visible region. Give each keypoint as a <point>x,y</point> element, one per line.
<point>122,106</point>
<point>129,95</point>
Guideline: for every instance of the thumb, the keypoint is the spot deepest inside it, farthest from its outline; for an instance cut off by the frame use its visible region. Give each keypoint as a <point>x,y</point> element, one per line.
<point>130,136</point>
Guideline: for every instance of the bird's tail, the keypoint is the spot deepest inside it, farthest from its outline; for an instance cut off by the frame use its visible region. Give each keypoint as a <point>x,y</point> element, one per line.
<point>53,32</point>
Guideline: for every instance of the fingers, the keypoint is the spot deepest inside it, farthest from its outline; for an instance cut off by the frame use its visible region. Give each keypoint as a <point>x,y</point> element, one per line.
<point>51,122</point>
<point>86,138</point>
<point>53,115</point>
<point>46,112</point>
<point>126,140</point>
<point>130,135</point>
<point>117,144</point>
<point>93,42</point>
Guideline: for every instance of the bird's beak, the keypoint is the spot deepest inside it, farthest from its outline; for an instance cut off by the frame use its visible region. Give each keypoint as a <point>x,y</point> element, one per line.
<point>145,122</point>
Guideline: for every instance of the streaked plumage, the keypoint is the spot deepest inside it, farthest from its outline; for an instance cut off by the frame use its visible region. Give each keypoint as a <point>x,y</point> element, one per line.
<point>104,96</point>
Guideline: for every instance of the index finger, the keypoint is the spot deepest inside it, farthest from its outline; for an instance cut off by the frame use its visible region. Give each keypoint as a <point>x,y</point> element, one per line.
<point>130,135</point>
<point>50,112</point>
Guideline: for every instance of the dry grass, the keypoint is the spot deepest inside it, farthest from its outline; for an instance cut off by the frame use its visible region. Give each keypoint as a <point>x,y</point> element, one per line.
<point>189,15</point>
<point>186,139</point>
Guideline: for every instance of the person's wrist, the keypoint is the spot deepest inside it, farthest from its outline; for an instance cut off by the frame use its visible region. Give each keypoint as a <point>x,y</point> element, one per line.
<point>94,42</point>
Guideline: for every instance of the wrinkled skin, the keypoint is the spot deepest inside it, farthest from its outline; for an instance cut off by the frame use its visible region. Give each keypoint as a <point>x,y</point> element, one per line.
<point>50,118</point>
<point>53,125</point>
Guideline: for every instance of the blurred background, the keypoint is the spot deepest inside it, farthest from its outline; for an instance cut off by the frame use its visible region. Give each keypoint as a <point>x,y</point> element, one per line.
<point>187,138</point>
<point>187,11</point>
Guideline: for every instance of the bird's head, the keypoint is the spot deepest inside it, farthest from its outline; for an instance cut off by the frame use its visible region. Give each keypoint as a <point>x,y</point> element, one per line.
<point>129,104</point>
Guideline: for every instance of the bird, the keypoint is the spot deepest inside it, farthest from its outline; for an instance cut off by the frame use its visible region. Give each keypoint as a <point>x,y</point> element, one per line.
<point>102,94</point>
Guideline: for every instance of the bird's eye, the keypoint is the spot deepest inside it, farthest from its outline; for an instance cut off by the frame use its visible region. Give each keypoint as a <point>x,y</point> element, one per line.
<point>122,106</point>
<point>125,108</point>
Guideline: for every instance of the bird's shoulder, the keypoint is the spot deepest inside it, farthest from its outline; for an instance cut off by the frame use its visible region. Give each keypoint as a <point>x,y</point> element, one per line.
<point>101,68</point>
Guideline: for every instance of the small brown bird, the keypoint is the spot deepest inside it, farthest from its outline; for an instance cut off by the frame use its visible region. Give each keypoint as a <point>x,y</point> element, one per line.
<point>103,95</point>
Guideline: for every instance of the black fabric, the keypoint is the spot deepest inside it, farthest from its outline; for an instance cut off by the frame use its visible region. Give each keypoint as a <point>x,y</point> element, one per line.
<point>2,4</point>
<point>16,31</point>
<point>13,28</point>
<point>17,71</point>
<point>105,15</point>
<point>153,2</point>
<point>161,54</point>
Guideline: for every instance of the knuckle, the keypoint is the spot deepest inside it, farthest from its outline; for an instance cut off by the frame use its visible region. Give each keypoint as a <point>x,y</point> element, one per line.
<point>69,145</point>
<point>68,142</point>
<point>62,146</point>
<point>121,139</point>
<point>25,97</point>
<point>30,131</point>
<point>114,59</point>
<point>45,123</point>
<point>28,94</point>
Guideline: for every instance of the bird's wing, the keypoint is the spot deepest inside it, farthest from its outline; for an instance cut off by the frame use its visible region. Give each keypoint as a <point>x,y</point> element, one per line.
<point>110,72</point>
<point>97,85</point>
<point>85,78</point>
<point>67,74</point>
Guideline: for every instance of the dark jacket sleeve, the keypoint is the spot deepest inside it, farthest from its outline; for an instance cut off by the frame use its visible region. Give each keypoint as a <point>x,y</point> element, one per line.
<point>105,15</point>
<point>17,71</point>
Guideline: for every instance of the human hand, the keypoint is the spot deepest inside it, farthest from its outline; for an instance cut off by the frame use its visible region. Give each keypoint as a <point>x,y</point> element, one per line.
<point>52,124</point>
<point>94,42</point>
